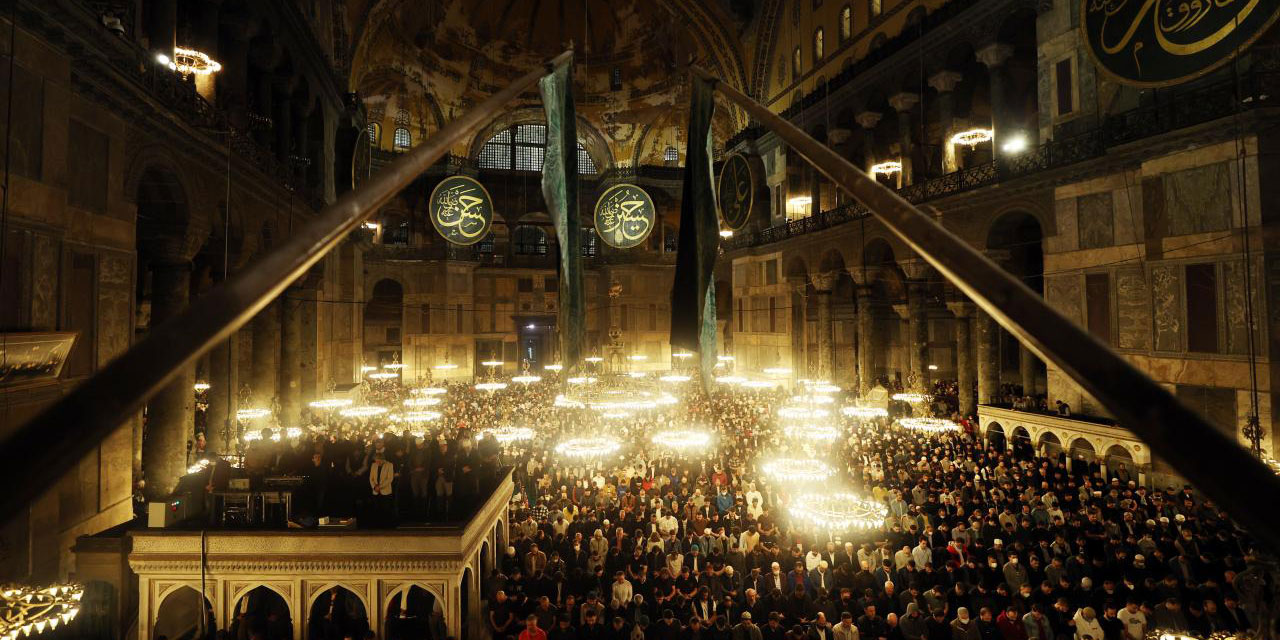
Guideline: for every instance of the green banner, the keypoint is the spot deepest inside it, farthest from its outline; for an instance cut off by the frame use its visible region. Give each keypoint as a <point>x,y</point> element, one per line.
<point>693,295</point>
<point>560,190</point>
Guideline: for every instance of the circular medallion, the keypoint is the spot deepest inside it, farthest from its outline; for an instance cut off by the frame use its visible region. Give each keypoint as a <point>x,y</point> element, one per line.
<point>624,216</point>
<point>1155,43</point>
<point>461,210</point>
<point>736,191</point>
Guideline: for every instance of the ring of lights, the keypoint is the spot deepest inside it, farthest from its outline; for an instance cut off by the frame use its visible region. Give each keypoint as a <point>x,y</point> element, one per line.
<point>384,375</point>
<point>809,431</point>
<point>588,447</point>
<point>362,412</point>
<point>491,386</point>
<point>802,413</point>
<point>813,398</point>
<point>526,379</point>
<point>837,511</point>
<point>509,434</point>
<point>682,439</point>
<point>420,416</point>
<point>27,610</point>
<point>422,402</point>
<point>913,398</point>
<point>931,425</point>
<point>865,413</point>
<point>797,469</point>
<point>252,414</point>
<point>675,377</point>
<point>331,403</point>
<point>429,391</point>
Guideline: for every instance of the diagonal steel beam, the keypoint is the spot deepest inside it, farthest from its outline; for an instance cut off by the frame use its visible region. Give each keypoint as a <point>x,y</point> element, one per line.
<point>39,452</point>
<point>1217,465</point>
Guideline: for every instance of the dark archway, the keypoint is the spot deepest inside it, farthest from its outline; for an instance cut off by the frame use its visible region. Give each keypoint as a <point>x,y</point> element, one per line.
<point>179,617</point>
<point>1021,440</point>
<point>413,613</point>
<point>468,620</point>
<point>337,613</point>
<point>262,613</point>
<point>1050,445</point>
<point>995,436</point>
<point>383,318</point>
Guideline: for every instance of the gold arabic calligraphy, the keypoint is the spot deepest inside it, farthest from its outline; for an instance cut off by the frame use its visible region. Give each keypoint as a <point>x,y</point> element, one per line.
<point>626,216</point>
<point>464,213</point>
<point>1174,23</point>
<point>738,202</point>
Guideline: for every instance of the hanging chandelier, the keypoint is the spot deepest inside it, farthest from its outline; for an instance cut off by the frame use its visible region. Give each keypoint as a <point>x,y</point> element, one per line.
<point>420,416</point>
<point>911,397</point>
<point>931,425</point>
<point>429,401</point>
<point>368,411</point>
<point>682,439</point>
<point>813,398</point>
<point>394,366</point>
<point>731,379</point>
<point>190,62</point>
<point>776,371</point>
<point>526,379</point>
<point>758,384</point>
<point>384,375</point>
<point>886,168</point>
<point>837,511</point>
<point>812,432</point>
<point>674,377</point>
<point>508,434</point>
<point>428,391</point>
<point>330,403</point>
<point>802,413</point>
<point>864,413</point>
<point>797,469</point>
<point>200,387</point>
<point>25,611</point>
<point>491,386</point>
<point>252,414</point>
<point>973,137</point>
<point>588,447</point>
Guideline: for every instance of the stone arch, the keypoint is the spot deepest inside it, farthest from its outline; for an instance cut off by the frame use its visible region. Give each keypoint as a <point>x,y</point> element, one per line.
<point>1049,443</point>
<point>397,625</point>
<point>468,605</point>
<point>995,435</point>
<point>1020,231</point>
<point>176,607</point>
<point>271,591</point>
<point>1083,448</point>
<point>164,221</point>
<point>315,600</point>
<point>596,143</point>
<point>1117,457</point>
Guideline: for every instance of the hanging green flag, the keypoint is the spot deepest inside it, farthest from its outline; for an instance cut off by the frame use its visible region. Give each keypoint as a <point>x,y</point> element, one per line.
<point>560,190</point>
<point>693,295</point>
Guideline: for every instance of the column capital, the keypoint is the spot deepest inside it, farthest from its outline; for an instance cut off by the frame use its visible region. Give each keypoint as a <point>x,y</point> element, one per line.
<point>945,81</point>
<point>903,310</point>
<point>914,268</point>
<point>839,135</point>
<point>904,101</point>
<point>993,55</point>
<point>960,308</point>
<point>823,282</point>
<point>861,275</point>
<point>868,119</point>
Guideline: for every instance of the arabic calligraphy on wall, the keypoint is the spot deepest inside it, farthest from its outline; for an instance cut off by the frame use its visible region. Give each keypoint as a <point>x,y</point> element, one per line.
<point>461,210</point>
<point>1155,43</point>
<point>624,216</point>
<point>736,191</point>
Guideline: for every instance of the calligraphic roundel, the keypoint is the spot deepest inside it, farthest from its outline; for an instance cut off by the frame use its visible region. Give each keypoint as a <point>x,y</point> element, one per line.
<point>624,216</point>
<point>461,210</point>
<point>1157,43</point>
<point>736,191</point>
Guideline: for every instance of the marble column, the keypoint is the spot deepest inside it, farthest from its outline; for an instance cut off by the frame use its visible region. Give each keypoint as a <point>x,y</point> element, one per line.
<point>985,334</point>
<point>918,332</point>
<point>866,357</point>
<point>290,371</point>
<point>994,56</point>
<point>944,82</point>
<point>822,284</point>
<point>904,103</point>
<point>963,311</point>
<point>224,381</point>
<point>266,355</point>
<point>1027,365</point>
<point>171,413</point>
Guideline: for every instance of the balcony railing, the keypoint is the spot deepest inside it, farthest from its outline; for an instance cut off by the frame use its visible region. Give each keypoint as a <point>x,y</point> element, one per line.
<point>1193,107</point>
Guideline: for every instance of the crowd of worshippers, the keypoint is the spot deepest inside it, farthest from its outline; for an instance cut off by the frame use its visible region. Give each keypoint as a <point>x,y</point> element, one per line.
<point>980,544</point>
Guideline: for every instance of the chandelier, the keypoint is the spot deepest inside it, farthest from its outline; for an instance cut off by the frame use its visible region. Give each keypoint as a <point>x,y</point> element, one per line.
<point>554,367</point>
<point>588,447</point>
<point>675,377</point>
<point>446,366</point>
<point>758,384</point>
<point>837,511</point>
<point>189,62</point>
<point>491,386</point>
<point>368,411</point>
<point>973,137</point>
<point>384,375</point>
<point>776,371</point>
<point>366,369</point>
<point>422,402</point>
<point>802,413</point>
<point>931,425</point>
<point>731,379</point>
<point>809,431</point>
<point>813,398</point>
<point>886,168</point>
<point>911,397</point>
<point>26,610</point>
<point>797,469</point>
<point>330,403</point>
<point>394,366</point>
<point>200,387</point>
<point>581,380</point>
<point>252,414</point>
<point>526,379</point>
<point>682,439</point>
<point>508,434</point>
<point>420,416</point>
<point>864,413</point>
<point>428,391</point>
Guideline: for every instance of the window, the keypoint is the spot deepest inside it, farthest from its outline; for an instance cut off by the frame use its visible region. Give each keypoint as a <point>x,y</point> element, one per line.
<point>375,134</point>
<point>615,79</point>
<point>670,155</point>
<point>795,64</point>
<point>846,23</point>
<point>530,241</point>
<point>523,148</point>
<point>1062,73</point>
<point>1097,300</point>
<point>1202,308</point>
<point>818,45</point>
<point>395,230</point>
<point>403,139</point>
<point>875,7</point>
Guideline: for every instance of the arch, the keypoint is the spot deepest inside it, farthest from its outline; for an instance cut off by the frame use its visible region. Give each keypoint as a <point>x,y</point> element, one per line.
<point>1120,462</point>
<point>411,611</point>
<point>163,217</point>
<point>467,603</point>
<point>1050,444</point>
<point>595,143</point>
<point>176,609</point>
<point>261,607</point>
<point>832,261</point>
<point>528,239</point>
<point>995,436</point>
<point>346,609</point>
<point>1082,449</point>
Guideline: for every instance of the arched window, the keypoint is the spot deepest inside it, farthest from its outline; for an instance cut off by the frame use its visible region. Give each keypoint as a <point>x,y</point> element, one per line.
<point>818,45</point>
<point>529,240</point>
<point>523,148</point>
<point>846,23</point>
<point>795,64</point>
<point>671,155</point>
<point>403,139</point>
<point>375,134</point>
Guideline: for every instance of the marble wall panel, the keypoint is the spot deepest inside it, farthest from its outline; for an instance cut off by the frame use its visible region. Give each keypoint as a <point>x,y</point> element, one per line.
<point>1063,294</point>
<point>1198,199</point>
<point>1096,215</point>
<point>1166,293</point>
<point>44,283</point>
<point>1236,304</point>
<point>1133,310</point>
